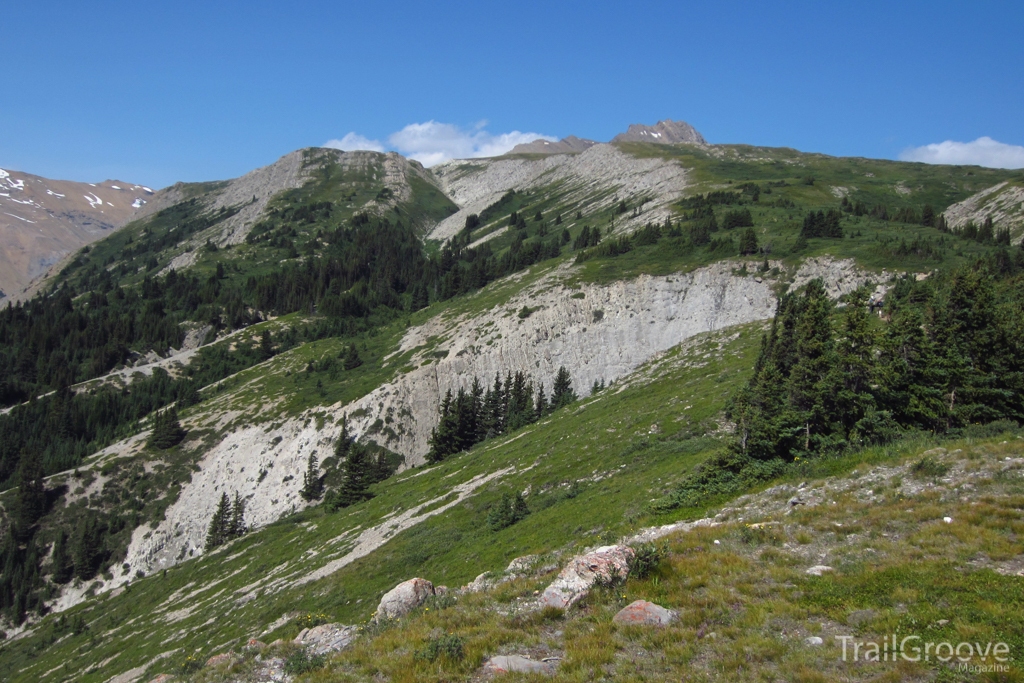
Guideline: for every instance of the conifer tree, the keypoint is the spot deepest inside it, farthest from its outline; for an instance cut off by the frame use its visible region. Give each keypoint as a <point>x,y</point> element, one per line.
<point>748,242</point>
<point>63,564</point>
<point>87,551</point>
<point>562,393</point>
<point>312,482</point>
<point>220,524</point>
<point>236,525</point>
<point>444,438</point>
<point>357,478</point>
<point>542,407</point>
<point>30,502</point>
<point>167,431</point>
<point>352,359</point>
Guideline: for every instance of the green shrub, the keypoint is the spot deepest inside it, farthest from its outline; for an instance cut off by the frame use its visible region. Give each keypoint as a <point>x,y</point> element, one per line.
<point>302,662</point>
<point>928,466</point>
<point>450,647</point>
<point>646,560</point>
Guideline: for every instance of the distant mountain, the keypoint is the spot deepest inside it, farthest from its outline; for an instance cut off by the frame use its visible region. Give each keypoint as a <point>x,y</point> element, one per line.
<point>667,132</point>
<point>43,220</point>
<point>569,145</point>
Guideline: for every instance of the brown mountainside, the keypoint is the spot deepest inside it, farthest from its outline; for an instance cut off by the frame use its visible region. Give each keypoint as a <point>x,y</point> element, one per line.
<point>43,220</point>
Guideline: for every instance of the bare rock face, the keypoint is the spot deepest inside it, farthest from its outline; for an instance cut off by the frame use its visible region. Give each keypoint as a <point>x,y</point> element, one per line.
<point>580,575</point>
<point>597,332</point>
<point>667,132</point>
<point>404,598</point>
<point>1003,203</point>
<point>327,638</point>
<point>643,613</point>
<point>593,179</point>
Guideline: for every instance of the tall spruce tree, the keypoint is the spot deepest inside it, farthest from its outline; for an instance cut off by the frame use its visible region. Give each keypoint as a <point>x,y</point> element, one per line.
<point>219,531</point>
<point>312,481</point>
<point>562,393</point>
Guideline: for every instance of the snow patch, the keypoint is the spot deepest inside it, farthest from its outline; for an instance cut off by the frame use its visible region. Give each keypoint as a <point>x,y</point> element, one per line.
<point>16,184</point>
<point>146,189</point>
<point>55,194</point>
<point>3,173</point>
<point>94,201</point>
<point>114,187</point>
<point>19,218</point>
<point>138,203</point>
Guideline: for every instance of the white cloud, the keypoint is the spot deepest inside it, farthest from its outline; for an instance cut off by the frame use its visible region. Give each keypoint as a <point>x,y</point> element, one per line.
<point>432,142</point>
<point>354,141</point>
<point>982,152</point>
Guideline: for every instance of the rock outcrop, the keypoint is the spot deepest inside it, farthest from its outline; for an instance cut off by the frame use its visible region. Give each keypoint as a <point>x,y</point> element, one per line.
<point>597,332</point>
<point>503,664</point>
<point>643,613</point>
<point>579,576</point>
<point>594,180</point>
<point>404,598</point>
<point>327,638</point>
<point>1003,203</point>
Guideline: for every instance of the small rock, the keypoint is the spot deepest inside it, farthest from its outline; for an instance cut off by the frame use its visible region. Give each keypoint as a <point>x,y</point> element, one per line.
<point>717,542</point>
<point>645,613</point>
<point>440,590</point>
<point>942,622</point>
<point>404,598</point>
<point>255,644</point>
<point>517,664</point>
<point>576,578</point>
<point>220,659</point>
<point>947,520</point>
<point>796,500</point>
<point>163,678</point>
<point>818,569</point>
<point>813,641</point>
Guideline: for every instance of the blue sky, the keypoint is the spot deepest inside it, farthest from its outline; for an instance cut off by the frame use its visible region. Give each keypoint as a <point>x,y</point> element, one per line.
<point>195,91</point>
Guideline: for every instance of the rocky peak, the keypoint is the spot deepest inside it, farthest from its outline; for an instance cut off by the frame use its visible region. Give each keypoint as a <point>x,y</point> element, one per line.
<point>567,145</point>
<point>667,132</point>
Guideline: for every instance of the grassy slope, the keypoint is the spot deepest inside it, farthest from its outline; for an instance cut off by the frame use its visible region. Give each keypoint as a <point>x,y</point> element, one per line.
<point>745,601</point>
<point>452,548</point>
<point>604,443</point>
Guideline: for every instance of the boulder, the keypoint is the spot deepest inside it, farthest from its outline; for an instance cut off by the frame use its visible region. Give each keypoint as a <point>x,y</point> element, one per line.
<point>576,579</point>
<point>645,613</point>
<point>226,657</point>
<point>521,565</point>
<point>813,641</point>
<point>480,583</point>
<point>327,638</point>
<point>504,664</point>
<point>818,570</point>
<point>404,598</point>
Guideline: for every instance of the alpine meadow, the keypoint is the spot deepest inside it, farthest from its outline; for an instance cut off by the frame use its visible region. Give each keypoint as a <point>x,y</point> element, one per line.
<point>654,409</point>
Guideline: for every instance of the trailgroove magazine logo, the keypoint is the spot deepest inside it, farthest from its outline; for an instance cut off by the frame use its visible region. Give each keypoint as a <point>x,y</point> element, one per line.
<point>971,657</point>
